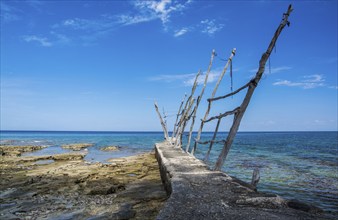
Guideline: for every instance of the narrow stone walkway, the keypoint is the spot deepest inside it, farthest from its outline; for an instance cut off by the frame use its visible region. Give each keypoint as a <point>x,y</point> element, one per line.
<point>199,193</point>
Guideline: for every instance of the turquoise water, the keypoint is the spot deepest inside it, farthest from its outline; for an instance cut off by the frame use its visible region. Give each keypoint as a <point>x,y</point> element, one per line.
<point>294,165</point>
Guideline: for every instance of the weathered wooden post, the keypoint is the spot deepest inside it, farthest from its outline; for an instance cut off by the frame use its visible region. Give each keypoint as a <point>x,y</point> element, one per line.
<point>233,52</point>
<point>251,88</point>
<point>255,177</point>
<point>177,116</point>
<point>164,127</point>
<point>185,118</point>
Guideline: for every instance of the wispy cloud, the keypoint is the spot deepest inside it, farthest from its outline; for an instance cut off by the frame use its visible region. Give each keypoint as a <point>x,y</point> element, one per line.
<point>53,39</point>
<point>210,27</point>
<point>41,40</point>
<point>213,76</point>
<point>308,82</point>
<point>88,25</point>
<point>181,32</point>
<point>333,87</point>
<point>187,79</point>
<point>8,13</point>
<point>172,78</point>
<point>274,70</point>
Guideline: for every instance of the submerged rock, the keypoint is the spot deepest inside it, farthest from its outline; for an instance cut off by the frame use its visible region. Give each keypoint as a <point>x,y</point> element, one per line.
<point>76,147</point>
<point>110,148</point>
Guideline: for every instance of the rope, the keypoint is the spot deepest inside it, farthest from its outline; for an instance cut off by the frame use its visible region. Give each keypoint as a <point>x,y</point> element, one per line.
<point>231,75</point>
<point>226,60</point>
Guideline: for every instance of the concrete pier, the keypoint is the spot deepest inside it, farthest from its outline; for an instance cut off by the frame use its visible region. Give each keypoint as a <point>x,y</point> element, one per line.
<point>199,193</point>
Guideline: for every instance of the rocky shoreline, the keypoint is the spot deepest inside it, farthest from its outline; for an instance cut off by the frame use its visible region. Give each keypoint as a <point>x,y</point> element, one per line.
<point>64,186</point>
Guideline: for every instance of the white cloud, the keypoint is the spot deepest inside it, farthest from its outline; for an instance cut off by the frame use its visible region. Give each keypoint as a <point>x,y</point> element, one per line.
<point>103,23</point>
<point>274,69</point>
<point>213,76</point>
<point>333,87</point>
<point>41,40</point>
<point>187,79</point>
<point>309,82</point>
<point>129,20</point>
<point>153,10</point>
<point>210,27</point>
<point>181,32</point>
<point>172,78</point>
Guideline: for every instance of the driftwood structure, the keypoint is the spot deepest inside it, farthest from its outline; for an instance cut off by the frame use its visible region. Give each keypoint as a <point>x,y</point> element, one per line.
<point>188,108</point>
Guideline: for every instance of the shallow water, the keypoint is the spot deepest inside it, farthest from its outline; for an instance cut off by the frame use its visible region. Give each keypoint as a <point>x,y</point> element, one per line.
<point>298,165</point>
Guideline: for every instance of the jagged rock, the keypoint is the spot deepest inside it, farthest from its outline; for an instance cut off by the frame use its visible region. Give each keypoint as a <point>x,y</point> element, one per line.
<point>76,147</point>
<point>263,202</point>
<point>17,150</point>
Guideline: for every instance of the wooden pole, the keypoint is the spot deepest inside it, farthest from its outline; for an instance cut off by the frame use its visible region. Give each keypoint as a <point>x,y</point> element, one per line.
<point>213,53</point>
<point>178,114</point>
<point>184,120</point>
<point>187,102</point>
<point>255,177</point>
<point>206,158</point>
<point>165,131</point>
<point>233,52</point>
<point>239,115</point>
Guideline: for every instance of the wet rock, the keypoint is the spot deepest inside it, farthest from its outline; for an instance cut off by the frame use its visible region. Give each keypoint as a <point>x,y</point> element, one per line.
<point>17,150</point>
<point>110,148</point>
<point>125,212</point>
<point>76,147</point>
<point>295,204</point>
<point>106,190</point>
<point>69,156</point>
<point>74,189</point>
<point>263,202</point>
<point>11,153</point>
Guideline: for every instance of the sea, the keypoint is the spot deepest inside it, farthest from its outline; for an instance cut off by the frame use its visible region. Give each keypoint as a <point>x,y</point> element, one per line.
<point>294,165</point>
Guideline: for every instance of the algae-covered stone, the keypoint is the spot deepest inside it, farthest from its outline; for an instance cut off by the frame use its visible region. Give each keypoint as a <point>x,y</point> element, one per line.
<point>76,147</point>
<point>76,189</point>
<point>17,150</point>
<point>110,148</point>
<point>70,156</point>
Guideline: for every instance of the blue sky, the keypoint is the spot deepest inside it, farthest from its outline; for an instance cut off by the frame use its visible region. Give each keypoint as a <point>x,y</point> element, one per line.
<point>99,65</point>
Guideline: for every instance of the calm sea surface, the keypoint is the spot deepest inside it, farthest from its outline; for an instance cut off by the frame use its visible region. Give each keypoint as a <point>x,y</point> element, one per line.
<point>294,165</point>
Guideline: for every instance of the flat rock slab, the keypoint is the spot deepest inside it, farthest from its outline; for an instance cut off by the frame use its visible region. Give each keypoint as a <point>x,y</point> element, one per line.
<point>199,193</point>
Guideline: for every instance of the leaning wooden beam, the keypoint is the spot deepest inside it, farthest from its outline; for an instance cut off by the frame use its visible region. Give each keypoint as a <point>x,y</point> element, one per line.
<point>178,114</point>
<point>233,52</point>
<point>223,115</point>
<point>193,89</point>
<point>192,124</point>
<point>184,118</point>
<point>206,158</point>
<point>213,53</point>
<point>238,117</point>
<point>164,127</point>
<point>230,94</point>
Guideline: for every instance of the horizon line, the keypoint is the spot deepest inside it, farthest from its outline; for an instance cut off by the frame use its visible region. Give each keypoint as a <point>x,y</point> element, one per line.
<point>120,131</point>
